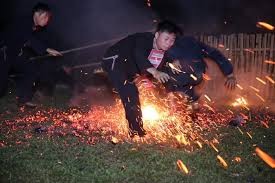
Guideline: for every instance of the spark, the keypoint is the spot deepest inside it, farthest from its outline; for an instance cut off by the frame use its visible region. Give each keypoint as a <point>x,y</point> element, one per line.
<point>249,135</point>
<point>193,77</point>
<point>222,161</point>
<point>265,25</point>
<point>255,89</point>
<point>199,144</point>
<point>249,50</point>
<point>173,67</point>
<point>260,97</point>
<point>214,147</point>
<point>182,167</point>
<point>269,62</point>
<point>265,157</point>
<point>265,124</point>
<point>240,130</point>
<point>240,87</point>
<point>208,98</point>
<point>270,79</point>
<point>260,80</point>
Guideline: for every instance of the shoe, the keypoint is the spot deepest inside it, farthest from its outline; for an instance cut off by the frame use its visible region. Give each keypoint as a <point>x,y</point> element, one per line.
<point>141,133</point>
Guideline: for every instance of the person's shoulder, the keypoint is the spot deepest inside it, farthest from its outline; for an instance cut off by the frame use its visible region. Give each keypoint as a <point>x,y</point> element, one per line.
<point>143,35</point>
<point>186,39</point>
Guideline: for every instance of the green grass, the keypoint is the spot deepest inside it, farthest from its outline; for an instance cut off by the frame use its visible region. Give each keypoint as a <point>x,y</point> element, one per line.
<point>66,159</point>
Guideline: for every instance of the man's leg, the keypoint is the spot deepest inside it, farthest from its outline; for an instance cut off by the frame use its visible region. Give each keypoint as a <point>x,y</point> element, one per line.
<point>129,95</point>
<point>4,70</point>
<point>25,83</point>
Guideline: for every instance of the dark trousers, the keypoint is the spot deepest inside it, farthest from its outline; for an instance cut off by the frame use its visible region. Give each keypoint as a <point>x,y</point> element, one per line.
<point>183,82</point>
<point>127,90</point>
<point>27,74</point>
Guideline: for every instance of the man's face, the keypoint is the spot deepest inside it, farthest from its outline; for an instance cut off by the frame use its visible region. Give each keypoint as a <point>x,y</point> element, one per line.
<point>165,40</point>
<point>41,18</point>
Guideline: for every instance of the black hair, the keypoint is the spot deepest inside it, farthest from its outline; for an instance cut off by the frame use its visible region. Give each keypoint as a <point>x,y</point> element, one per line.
<point>168,26</point>
<point>41,7</point>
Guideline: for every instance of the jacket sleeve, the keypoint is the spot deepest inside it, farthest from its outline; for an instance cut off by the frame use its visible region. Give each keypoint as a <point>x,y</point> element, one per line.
<point>224,64</point>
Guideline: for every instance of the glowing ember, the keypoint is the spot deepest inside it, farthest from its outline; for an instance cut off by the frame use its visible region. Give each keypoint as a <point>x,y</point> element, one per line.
<point>182,167</point>
<point>265,157</point>
<point>240,130</point>
<point>237,159</point>
<point>265,25</point>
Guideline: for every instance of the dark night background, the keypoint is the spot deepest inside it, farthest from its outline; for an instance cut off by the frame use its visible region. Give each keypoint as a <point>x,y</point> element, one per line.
<point>82,22</point>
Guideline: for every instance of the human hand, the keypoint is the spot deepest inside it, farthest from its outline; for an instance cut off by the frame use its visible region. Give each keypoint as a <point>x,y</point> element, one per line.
<point>230,82</point>
<point>53,52</point>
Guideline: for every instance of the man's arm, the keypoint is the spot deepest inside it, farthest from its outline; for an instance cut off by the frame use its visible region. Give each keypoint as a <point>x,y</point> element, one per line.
<point>213,53</point>
<point>224,64</point>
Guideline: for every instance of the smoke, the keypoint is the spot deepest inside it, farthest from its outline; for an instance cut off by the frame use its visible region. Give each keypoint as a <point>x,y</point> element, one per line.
<point>215,89</point>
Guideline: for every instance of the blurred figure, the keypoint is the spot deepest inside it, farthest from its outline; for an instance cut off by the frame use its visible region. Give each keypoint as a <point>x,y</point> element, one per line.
<point>140,53</point>
<point>21,41</point>
<point>189,64</point>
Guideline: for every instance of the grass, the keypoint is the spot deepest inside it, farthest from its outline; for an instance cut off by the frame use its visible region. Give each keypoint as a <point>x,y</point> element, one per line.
<point>44,158</point>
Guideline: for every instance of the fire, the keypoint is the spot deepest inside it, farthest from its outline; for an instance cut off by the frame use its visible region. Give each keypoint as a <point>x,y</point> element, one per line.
<point>150,113</point>
<point>240,102</point>
<point>265,157</point>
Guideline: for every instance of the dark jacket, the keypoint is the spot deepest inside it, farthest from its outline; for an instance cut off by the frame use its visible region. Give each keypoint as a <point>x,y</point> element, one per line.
<point>191,52</point>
